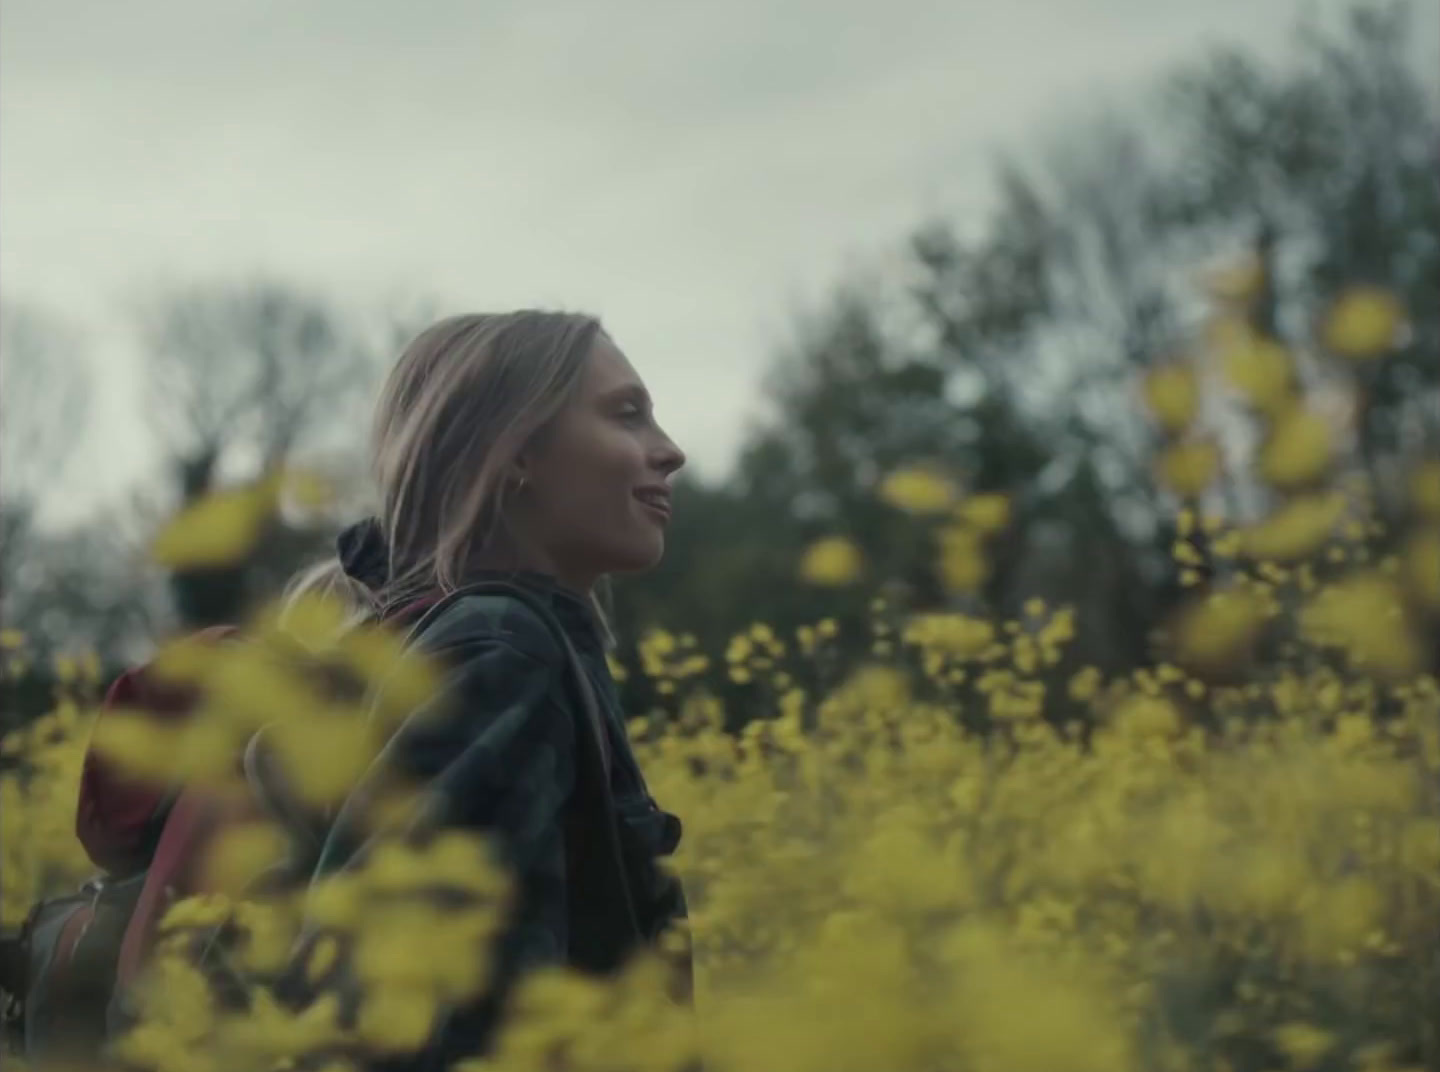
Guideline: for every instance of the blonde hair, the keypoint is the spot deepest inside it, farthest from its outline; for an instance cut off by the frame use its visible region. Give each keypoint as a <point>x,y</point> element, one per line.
<point>466,397</point>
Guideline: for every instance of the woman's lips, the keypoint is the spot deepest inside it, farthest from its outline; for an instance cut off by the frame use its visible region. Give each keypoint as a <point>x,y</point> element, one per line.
<point>655,503</point>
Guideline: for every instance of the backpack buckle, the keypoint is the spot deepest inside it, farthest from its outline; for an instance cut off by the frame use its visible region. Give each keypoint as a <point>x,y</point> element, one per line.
<point>12,1024</point>
<point>14,961</point>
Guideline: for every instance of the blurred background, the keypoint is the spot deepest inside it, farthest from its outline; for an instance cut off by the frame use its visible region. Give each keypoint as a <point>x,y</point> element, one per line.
<point>836,239</point>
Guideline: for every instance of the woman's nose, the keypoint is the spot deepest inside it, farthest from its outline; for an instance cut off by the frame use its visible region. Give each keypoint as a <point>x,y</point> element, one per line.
<point>670,457</point>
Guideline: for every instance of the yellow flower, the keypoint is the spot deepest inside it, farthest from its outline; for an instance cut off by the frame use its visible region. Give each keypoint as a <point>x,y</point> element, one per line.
<point>242,853</point>
<point>1425,488</point>
<point>188,660</point>
<point>202,910</point>
<point>985,513</point>
<point>997,996</point>
<point>314,621</point>
<point>917,491</point>
<point>219,530</point>
<point>1012,698</point>
<point>873,687</point>
<point>1365,322</point>
<point>248,683</point>
<point>145,748</point>
<point>337,901</point>
<point>1189,468</point>
<point>659,641</point>
<point>1296,530</point>
<point>1335,919</point>
<point>66,668</point>
<point>1147,716</point>
<point>963,567</point>
<point>394,867</point>
<point>740,649</point>
<point>1305,1044</point>
<point>1364,615</point>
<point>567,997</point>
<point>348,746</point>
<point>617,669</point>
<point>269,933</point>
<point>90,667</point>
<point>1421,566</point>
<point>461,861</point>
<point>415,945</point>
<point>831,562</point>
<point>952,634</point>
<point>1257,366</point>
<point>1220,629</point>
<point>1172,395</point>
<point>322,957</point>
<point>11,638</point>
<point>411,679</point>
<point>1420,847</point>
<point>272,1037</point>
<point>1298,449</point>
<point>396,1019</point>
<point>1085,684</point>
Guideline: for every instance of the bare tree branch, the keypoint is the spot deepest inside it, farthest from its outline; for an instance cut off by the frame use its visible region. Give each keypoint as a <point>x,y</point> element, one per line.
<point>258,369</point>
<point>44,398</point>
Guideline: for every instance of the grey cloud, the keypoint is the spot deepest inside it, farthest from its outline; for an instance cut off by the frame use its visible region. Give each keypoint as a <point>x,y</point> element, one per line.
<point>689,171</point>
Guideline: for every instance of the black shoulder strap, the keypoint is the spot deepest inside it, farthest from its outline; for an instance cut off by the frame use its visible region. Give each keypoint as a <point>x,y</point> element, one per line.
<point>592,740</point>
<point>601,818</point>
<point>580,680</point>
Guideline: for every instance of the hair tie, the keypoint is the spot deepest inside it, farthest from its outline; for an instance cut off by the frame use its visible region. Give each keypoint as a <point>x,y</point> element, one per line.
<point>364,554</point>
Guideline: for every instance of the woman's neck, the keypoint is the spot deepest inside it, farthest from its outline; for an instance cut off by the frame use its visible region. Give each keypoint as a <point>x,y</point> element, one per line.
<point>514,562</point>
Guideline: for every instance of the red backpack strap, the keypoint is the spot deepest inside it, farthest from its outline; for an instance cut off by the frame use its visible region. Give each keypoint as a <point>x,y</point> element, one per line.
<point>191,820</point>
<point>117,813</point>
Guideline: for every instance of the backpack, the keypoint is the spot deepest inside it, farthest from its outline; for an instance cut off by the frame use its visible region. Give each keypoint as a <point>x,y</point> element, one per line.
<point>66,970</point>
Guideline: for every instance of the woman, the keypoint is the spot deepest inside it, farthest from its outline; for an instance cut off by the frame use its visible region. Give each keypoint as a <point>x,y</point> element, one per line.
<point>520,446</point>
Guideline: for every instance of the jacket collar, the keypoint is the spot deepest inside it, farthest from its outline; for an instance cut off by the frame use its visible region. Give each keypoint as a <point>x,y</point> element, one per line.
<point>575,614</point>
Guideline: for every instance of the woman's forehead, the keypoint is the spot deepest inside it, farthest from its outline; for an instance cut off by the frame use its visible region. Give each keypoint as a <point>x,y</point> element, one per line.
<point>609,371</point>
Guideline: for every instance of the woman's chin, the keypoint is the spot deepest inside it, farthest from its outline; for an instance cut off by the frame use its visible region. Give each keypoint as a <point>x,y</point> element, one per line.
<point>642,555</point>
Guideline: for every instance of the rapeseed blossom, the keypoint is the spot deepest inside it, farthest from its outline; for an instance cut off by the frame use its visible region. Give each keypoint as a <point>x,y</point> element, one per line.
<point>1189,467</point>
<point>1173,396</point>
<point>831,561</point>
<point>888,871</point>
<point>961,852</point>
<point>1363,323</point>
<point>918,491</point>
<point>1298,449</point>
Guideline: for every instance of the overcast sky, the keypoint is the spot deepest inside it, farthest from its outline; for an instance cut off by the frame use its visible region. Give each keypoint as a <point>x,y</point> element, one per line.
<point>694,172</point>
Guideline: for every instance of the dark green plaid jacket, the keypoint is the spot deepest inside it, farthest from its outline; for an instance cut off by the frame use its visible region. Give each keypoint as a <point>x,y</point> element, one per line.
<point>502,758</point>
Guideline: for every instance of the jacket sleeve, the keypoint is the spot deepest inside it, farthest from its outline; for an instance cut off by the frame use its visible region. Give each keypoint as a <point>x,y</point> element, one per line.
<point>499,756</point>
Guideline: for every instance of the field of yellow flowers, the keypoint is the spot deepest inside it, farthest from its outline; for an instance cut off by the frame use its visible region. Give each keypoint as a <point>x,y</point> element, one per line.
<point>1232,863</point>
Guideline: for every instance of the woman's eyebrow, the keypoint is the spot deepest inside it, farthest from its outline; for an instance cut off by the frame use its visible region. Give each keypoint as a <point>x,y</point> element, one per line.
<point>630,392</point>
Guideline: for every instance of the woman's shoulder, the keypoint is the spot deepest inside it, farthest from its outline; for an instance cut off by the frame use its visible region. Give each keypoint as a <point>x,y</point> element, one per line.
<point>489,619</point>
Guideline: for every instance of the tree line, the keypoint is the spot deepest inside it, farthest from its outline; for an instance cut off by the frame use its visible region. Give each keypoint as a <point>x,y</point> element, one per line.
<point>1008,353</point>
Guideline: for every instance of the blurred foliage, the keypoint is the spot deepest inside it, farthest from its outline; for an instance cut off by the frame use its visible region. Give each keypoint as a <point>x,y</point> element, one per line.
<point>1011,358</point>
<point>1002,355</point>
<point>905,860</point>
<point>1061,652</point>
